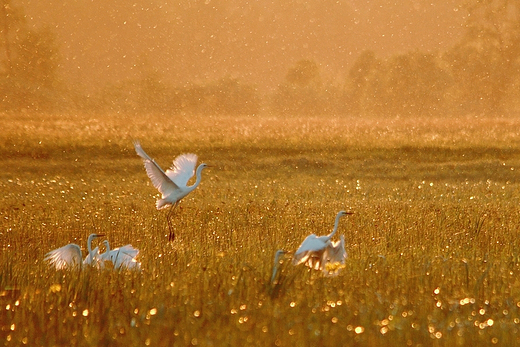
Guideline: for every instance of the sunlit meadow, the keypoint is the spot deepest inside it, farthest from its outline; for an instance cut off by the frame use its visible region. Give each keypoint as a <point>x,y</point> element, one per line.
<point>433,247</point>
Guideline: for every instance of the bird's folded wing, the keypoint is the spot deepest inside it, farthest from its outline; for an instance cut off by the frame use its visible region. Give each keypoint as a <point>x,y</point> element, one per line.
<point>183,169</point>
<point>158,177</point>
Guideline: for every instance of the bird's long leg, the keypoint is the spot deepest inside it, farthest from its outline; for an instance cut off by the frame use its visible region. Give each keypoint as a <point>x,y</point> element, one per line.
<point>171,237</point>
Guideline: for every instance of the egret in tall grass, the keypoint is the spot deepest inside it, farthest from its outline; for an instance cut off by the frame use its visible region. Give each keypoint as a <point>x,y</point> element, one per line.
<point>279,253</point>
<point>172,184</point>
<point>314,250</point>
<point>122,258</point>
<point>69,256</point>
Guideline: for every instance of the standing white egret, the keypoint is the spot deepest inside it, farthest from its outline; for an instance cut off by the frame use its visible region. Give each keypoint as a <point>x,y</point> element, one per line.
<point>172,184</point>
<point>312,248</point>
<point>276,264</point>
<point>69,256</point>
<point>122,258</point>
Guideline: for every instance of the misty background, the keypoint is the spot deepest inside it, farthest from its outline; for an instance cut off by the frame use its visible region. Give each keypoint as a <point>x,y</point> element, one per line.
<point>354,57</point>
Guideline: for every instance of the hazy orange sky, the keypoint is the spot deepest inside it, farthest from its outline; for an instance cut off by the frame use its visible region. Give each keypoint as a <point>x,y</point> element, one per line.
<point>256,41</point>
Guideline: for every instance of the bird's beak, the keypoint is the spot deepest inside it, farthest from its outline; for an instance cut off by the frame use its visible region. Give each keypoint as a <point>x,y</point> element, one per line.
<point>100,235</point>
<point>349,212</point>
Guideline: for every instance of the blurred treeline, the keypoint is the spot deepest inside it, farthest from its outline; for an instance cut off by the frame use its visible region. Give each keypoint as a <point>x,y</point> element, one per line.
<point>480,74</point>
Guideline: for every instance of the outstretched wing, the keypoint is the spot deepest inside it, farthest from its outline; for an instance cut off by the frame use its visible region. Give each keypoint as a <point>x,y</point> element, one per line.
<point>124,258</point>
<point>312,243</point>
<point>183,169</point>
<point>158,177</point>
<point>335,252</point>
<point>311,247</point>
<point>68,256</point>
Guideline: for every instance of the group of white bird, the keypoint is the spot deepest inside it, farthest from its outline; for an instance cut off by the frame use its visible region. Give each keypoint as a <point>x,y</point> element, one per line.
<point>70,257</point>
<point>316,252</point>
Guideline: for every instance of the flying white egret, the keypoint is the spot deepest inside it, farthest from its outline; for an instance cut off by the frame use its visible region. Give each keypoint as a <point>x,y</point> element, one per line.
<point>311,251</point>
<point>172,184</point>
<point>69,256</point>
<point>122,258</point>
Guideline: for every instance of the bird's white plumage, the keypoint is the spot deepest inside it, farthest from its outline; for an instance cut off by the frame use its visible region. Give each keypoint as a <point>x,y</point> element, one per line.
<point>69,256</point>
<point>313,243</point>
<point>159,179</point>
<point>183,169</point>
<point>335,252</point>
<point>172,184</point>
<point>66,257</point>
<point>315,250</point>
<point>122,258</point>
<point>311,251</point>
<point>92,259</point>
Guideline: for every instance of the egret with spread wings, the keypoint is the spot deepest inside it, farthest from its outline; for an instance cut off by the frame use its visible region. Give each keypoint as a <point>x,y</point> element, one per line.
<point>314,250</point>
<point>122,258</point>
<point>172,184</point>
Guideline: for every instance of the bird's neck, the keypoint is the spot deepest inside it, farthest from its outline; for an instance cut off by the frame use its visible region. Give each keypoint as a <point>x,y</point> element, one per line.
<point>336,224</point>
<point>89,246</point>
<point>199,177</point>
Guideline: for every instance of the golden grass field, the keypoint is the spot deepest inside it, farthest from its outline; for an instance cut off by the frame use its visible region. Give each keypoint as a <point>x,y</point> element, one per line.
<point>433,247</point>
